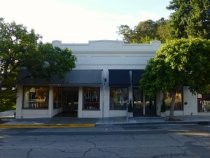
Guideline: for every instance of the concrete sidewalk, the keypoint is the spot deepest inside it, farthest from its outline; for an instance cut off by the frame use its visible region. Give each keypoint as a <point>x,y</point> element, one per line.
<point>68,122</point>
<point>7,120</point>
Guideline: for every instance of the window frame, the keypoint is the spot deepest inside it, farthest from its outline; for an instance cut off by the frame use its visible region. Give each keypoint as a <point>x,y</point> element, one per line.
<point>34,104</point>
<point>182,100</point>
<point>123,107</point>
<point>97,98</point>
<point>203,98</point>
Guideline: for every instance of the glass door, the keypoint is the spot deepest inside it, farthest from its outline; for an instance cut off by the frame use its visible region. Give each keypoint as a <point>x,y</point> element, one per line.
<point>138,106</point>
<point>150,106</point>
<point>70,102</point>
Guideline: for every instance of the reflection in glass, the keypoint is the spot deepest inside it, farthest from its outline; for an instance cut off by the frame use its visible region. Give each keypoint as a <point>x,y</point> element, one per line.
<point>57,91</point>
<point>91,98</point>
<point>150,106</point>
<point>118,98</point>
<point>35,97</point>
<point>137,102</point>
<point>204,103</point>
<point>178,100</point>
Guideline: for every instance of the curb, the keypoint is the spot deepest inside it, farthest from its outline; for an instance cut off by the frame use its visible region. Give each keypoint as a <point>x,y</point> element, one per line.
<point>156,123</point>
<point>88,125</point>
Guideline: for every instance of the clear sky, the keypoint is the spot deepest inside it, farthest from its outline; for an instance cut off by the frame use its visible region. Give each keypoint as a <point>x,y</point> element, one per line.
<point>76,21</point>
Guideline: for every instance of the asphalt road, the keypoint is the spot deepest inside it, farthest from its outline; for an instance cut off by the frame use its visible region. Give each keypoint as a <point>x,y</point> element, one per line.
<point>130,141</point>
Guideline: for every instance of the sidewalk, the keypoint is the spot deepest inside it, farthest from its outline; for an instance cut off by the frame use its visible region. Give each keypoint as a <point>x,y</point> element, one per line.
<point>7,114</point>
<point>68,122</point>
<point>7,118</point>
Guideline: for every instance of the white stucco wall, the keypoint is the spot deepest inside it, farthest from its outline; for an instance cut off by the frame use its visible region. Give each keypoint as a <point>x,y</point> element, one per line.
<point>190,102</point>
<point>107,55</point>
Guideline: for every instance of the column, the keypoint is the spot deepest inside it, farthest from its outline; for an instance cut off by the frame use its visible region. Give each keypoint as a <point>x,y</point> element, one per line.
<point>189,102</point>
<point>19,102</point>
<point>80,102</point>
<point>50,104</point>
<point>144,105</point>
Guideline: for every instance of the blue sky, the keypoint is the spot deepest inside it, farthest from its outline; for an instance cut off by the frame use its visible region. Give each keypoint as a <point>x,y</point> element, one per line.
<point>76,21</point>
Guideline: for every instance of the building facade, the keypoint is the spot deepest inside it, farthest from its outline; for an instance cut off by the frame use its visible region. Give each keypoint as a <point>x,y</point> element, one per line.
<point>104,83</point>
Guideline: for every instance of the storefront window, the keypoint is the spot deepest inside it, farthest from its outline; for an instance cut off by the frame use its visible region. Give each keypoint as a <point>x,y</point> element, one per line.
<point>118,98</point>
<point>178,100</point>
<point>91,98</point>
<point>203,102</point>
<point>57,97</point>
<point>35,97</point>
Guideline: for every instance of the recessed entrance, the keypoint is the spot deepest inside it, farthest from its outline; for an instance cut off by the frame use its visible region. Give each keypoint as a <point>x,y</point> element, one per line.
<point>143,105</point>
<point>70,102</point>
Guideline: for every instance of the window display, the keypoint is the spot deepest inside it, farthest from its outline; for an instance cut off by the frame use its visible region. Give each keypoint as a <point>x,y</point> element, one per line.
<point>203,102</point>
<point>35,97</point>
<point>178,100</point>
<point>91,98</point>
<point>118,98</point>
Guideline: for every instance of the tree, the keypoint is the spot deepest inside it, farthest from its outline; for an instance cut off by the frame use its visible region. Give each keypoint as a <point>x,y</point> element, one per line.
<point>191,18</point>
<point>22,48</point>
<point>48,61</point>
<point>182,62</point>
<point>163,32</point>
<point>127,33</point>
<point>146,31</point>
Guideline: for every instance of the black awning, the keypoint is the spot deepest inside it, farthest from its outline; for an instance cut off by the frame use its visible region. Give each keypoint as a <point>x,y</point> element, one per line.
<point>83,78</point>
<point>72,78</point>
<point>119,78</point>
<point>136,76</point>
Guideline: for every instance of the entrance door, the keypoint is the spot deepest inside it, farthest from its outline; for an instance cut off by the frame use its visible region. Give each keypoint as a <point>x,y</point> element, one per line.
<point>138,105</point>
<point>141,107</point>
<point>150,106</point>
<point>70,102</point>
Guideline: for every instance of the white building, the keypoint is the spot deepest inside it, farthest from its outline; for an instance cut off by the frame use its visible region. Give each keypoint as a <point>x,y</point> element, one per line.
<point>104,83</point>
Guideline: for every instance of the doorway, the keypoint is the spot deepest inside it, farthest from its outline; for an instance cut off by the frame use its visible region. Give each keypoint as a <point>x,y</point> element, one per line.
<point>143,105</point>
<point>70,102</point>
<point>138,106</point>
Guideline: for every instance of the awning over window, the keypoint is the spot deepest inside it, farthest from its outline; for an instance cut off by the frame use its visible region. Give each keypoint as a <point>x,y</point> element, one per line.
<point>83,78</point>
<point>72,78</point>
<point>119,78</point>
<point>136,76</point>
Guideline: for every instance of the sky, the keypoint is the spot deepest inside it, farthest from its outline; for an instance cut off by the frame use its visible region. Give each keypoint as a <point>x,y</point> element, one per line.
<point>79,21</point>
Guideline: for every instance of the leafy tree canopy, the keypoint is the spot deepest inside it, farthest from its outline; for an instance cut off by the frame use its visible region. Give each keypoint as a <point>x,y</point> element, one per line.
<point>22,48</point>
<point>181,62</point>
<point>146,31</point>
<point>191,18</point>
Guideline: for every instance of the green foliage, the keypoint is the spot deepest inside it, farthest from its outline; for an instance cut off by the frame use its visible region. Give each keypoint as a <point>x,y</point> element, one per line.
<point>191,18</point>
<point>7,99</point>
<point>15,41</point>
<point>183,62</point>
<point>146,31</point>
<point>21,48</point>
<point>49,61</point>
<point>178,63</point>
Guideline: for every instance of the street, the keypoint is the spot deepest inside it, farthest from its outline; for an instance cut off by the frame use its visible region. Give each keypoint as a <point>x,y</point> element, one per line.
<point>108,141</point>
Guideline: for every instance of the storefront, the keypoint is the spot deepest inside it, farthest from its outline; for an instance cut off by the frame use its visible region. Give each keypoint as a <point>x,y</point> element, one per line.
<point>104,83</point>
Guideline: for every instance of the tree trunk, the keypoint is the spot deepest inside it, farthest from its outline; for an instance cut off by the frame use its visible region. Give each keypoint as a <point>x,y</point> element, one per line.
<point>172,104</point>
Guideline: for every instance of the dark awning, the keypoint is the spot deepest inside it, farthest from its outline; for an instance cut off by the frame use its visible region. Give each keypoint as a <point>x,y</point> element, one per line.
<point>83,78</point>
<point>72,78</point>
<point>119,78</point>
<point>136,76</point>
